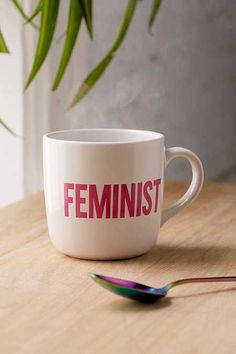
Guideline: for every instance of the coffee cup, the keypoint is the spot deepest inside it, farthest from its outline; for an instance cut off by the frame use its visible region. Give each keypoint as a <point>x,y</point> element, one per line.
<point>104,190</point>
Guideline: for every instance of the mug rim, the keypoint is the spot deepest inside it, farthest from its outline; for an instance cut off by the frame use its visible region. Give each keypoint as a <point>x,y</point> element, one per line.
<point>139,136</point>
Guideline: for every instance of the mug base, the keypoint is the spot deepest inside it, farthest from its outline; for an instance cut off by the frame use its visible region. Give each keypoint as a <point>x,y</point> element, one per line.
<point>103,257</point>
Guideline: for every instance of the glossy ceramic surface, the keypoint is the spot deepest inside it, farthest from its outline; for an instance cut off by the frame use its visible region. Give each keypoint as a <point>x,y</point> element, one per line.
<point>104,190</point>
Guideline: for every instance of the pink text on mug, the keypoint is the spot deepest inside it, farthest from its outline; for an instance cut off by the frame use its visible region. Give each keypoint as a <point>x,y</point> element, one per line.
<point>116,200</point>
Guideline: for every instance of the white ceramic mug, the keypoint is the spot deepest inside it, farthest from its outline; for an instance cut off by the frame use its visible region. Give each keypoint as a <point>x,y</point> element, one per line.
<point>104,190</point>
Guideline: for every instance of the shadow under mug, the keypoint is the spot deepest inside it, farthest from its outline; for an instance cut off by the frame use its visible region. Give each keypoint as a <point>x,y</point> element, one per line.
<point>104,190</point>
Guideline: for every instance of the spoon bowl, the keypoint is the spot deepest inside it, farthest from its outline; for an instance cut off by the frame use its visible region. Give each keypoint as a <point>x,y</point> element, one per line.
<point>129,289</point>
<point>144,293</point>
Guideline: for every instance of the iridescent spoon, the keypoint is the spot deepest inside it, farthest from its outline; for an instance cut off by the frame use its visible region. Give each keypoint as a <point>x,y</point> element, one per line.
<point>145,293</point>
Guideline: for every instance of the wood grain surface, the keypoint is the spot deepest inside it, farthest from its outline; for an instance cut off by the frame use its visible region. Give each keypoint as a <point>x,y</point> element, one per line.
<point>49,305</point>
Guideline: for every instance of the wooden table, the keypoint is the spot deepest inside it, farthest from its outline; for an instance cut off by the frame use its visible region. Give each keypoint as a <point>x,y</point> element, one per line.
<point>49,305</point>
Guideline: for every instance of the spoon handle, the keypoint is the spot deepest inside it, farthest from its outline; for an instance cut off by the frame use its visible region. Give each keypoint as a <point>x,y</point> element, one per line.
<point>201,280</point>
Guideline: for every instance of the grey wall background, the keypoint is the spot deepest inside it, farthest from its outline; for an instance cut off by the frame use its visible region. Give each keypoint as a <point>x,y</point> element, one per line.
<point>181,81</point>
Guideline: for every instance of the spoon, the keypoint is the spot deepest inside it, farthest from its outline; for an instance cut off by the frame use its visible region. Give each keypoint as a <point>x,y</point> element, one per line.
<point>145,293</point>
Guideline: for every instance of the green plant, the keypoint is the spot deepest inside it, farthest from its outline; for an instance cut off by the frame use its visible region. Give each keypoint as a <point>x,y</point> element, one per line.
<point>79,11</point>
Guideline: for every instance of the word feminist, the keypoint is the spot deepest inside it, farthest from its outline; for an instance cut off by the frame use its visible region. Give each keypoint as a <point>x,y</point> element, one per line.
<point>115,201</point>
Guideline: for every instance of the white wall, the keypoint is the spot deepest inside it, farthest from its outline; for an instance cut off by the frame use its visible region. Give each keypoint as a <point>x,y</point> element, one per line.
<point>11,107</point>
<point>45,110</point>
<point>36,111</point>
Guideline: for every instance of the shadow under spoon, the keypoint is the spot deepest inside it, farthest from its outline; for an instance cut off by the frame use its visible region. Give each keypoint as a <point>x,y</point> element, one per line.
<point>145,293</point>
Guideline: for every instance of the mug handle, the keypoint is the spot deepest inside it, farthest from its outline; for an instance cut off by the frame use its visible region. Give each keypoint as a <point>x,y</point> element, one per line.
<point>196,183</point>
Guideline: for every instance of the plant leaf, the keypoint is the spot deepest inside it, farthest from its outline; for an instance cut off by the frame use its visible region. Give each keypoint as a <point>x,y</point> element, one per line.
<point>97,72</point>
<point>49,14</point>
<point>3,45</point>
<point>7,128</point>
<point>124,25</point>
<point>155,7</point>
<point>91,79</point>
<point>22,12</point>
<point>35,13</point>
<point>87,8</point>
<point>73,26</point>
